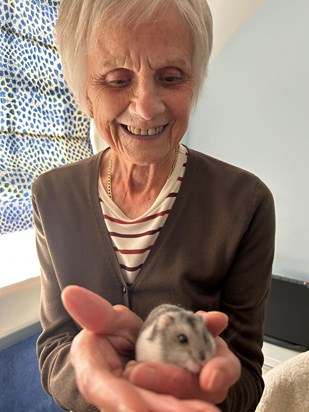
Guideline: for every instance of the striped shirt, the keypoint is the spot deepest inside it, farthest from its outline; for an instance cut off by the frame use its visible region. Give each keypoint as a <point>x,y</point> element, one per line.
<point>132,239</point>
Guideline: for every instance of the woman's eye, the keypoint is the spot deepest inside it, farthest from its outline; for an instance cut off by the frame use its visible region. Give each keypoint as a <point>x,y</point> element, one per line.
<point>118,82</point>
<point>171,77</point>
<point>118,78</point>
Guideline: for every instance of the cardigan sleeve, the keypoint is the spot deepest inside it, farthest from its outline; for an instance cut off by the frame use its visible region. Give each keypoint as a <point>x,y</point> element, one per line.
<point>244,298</point>
<point>58,330</point>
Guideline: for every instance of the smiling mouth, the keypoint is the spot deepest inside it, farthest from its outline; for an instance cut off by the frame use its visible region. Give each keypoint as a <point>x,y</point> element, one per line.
<point>143,132</point>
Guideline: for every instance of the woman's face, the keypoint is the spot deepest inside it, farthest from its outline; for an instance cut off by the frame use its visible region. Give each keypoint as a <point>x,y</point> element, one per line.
<point>140,88</point>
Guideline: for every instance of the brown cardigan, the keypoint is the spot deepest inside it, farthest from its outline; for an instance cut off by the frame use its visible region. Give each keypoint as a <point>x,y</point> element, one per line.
<point>214,252</point>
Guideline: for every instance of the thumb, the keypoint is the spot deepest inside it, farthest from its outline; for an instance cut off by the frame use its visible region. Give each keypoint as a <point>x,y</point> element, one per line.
<point>96,314</point>
<point>216,321</point>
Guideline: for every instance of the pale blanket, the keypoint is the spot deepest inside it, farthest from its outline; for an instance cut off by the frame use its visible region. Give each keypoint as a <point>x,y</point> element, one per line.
<point>287,386</point>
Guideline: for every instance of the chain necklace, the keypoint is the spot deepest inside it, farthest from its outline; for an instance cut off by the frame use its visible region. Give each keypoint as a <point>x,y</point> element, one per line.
<point>109,177</point>
<point>110,166</point>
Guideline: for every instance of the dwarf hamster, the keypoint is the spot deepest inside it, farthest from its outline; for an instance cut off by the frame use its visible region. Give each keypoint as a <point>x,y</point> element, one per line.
<point>172,334</point>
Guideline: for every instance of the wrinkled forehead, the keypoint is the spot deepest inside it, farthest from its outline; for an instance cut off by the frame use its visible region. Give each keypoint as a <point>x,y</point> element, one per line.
<point>132,24</point>
<point>164,42</point>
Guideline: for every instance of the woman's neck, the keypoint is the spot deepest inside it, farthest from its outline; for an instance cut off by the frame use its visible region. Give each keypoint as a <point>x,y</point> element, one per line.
<point>134,188</point>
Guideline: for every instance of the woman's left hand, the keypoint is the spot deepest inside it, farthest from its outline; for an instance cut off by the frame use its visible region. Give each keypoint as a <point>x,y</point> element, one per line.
<point>211,384</point>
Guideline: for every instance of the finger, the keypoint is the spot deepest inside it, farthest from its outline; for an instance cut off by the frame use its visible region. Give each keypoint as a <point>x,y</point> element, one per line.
<point>158,403</point>
<point>216,321</point>
<point>96,314</point>
<point>220,373</point>
<point>164,378</point>
<point>86,307</point>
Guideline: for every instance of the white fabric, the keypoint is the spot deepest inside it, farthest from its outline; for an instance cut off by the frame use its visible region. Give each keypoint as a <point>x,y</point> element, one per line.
<point>287,386</point>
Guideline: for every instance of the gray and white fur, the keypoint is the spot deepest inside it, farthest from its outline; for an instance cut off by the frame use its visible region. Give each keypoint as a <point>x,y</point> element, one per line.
<point>172,334</point>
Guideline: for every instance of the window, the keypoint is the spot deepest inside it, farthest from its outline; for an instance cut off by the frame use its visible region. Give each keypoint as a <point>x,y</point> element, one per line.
<point>18,257</point>
<point>40,124</point>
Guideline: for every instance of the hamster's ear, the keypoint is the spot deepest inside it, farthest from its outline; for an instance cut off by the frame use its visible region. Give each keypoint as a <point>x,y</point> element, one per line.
<point>164,321</point>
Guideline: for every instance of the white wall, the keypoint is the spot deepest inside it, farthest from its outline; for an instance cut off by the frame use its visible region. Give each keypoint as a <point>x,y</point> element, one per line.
<point>228,16</point>
<point>255,113</point>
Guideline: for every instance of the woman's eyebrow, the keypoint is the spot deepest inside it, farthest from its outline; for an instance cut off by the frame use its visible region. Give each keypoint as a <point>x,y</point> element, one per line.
<point>113,63</point>
<point>175,63</point>
<point>120,62</point>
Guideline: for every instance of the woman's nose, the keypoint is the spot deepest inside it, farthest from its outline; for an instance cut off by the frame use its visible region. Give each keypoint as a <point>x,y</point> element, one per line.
<point>147,102</point>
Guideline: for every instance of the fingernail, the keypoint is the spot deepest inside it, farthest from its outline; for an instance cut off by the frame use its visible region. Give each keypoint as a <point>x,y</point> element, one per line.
<point>151,376</point>
<point>216,380</point>
<point>124,408</point>
<point>144,376</point>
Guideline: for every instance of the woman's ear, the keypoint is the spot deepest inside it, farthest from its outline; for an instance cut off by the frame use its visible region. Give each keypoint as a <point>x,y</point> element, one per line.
<point>89,105</point>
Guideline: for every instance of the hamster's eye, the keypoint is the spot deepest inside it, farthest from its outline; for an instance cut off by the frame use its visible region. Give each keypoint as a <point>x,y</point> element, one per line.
<point>182,338</point>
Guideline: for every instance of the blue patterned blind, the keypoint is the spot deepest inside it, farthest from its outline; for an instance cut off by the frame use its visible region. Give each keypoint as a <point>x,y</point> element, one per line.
<point>40,125</point>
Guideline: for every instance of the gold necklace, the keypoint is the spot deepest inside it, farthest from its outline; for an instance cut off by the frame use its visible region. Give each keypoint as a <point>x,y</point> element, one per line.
<point>109,177</point>
<point>110,166</point>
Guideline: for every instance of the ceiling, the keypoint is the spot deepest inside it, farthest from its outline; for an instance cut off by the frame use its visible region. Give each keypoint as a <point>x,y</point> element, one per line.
<point>228,16</point>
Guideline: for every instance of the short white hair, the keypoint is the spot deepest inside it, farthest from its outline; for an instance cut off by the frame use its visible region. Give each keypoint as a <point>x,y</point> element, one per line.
<point>79,20</point>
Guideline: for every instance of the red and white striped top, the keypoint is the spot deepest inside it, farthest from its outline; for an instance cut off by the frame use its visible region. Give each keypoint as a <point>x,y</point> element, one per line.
<point>133,238</point>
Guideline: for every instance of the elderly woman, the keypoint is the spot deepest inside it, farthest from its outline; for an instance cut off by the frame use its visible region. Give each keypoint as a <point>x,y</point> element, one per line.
<point>147,221</point>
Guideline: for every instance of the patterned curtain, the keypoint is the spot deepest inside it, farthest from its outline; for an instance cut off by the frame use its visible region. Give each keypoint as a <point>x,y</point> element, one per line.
<point>40,125</point>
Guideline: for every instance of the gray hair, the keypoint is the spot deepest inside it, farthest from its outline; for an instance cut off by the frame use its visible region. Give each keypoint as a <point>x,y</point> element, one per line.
<point>79,20</point>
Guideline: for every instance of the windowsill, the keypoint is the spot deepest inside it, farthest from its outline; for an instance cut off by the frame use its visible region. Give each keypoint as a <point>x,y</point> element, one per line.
<point>19,311</point>
<point>274,355</point>
<point>18,257</point>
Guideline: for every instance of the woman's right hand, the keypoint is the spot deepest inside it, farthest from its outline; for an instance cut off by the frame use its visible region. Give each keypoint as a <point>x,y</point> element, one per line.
<point>100,352</point>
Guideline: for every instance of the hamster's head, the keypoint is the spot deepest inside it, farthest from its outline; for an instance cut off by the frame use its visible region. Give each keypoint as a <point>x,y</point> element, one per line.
<point>185,340</point>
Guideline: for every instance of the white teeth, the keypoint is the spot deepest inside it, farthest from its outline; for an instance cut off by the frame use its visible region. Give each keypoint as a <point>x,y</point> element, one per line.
<point>152,132</point>
<point>145,132</point>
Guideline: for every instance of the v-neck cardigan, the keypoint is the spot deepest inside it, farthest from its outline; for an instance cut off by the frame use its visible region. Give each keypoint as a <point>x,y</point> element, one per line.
<point>214,252</point>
